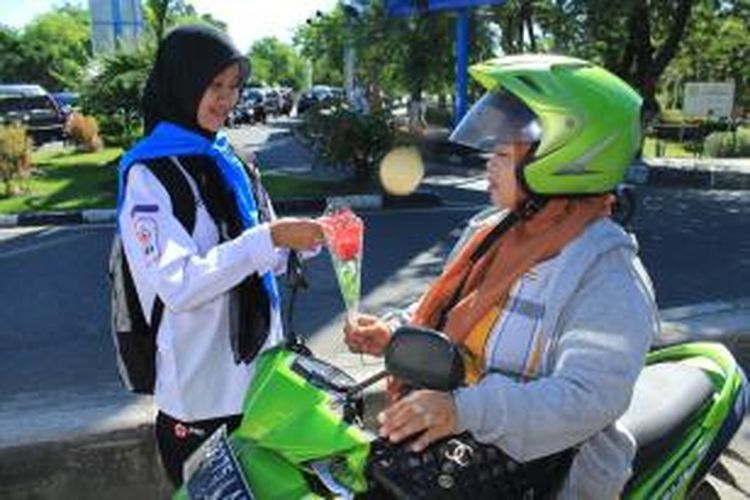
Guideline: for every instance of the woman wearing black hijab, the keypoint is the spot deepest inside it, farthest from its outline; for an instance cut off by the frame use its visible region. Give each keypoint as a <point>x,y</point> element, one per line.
<point>216,282</point>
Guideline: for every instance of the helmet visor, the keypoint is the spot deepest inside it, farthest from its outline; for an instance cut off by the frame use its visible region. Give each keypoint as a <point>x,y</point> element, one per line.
<point>497,118</point>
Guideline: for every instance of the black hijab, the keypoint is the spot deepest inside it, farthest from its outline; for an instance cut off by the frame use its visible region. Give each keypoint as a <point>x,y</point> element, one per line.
<point>186,62</point>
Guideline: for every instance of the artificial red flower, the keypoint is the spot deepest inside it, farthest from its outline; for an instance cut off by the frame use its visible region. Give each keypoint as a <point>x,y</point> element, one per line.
<point>343,231</point>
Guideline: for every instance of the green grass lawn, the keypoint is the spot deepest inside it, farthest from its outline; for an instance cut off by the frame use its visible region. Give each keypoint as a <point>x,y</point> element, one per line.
<point>283,186</point>
<point>66,180</point>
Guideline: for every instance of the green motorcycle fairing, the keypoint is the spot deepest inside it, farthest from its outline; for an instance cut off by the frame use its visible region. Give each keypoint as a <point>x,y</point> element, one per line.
<point>292,408</point>
<point>675,474</point>
<point>293,418</point>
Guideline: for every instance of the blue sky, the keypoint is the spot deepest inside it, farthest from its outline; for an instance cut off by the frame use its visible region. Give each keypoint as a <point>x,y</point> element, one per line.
<point>248,20</point>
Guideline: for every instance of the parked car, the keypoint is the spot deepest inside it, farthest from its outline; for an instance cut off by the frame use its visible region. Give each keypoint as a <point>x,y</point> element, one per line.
<point>66,101</point>
<point>322,95</point>
<point>254,105</point>
<point>272,101</point>
<point>33,107</point>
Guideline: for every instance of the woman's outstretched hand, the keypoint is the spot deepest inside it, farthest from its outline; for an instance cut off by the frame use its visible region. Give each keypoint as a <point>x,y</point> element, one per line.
<point>296,233</point>
<point>366,334</point>
<point>431,413</point>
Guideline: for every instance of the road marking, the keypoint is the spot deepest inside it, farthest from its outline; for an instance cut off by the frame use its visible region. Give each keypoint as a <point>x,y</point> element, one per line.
<point>474,183</point>
<point>41,245</point>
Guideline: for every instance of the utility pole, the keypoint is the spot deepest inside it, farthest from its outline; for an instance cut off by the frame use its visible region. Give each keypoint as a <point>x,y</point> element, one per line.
<point>353,11</point>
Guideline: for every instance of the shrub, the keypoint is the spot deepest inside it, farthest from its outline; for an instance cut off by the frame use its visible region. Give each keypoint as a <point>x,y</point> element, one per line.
<point>728,144</point>
<point>344,137</point>
<point>117,129</point>
<point>15,157</point>
<point>84,132</point>
<point>440,116</point>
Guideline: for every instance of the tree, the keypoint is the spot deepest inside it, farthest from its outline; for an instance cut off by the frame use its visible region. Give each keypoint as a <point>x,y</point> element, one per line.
<point>276,63</point>
<point>716,48</point>
<point>321,41</point>
<point>517,20</point>
<point>163,14</point>
<point>156,13</point>
<point>635,39</point>
<point>643,62</point>
<point>52,51</point>
<point>113,93</point>
<point>13,56</point>
<point>395,54</point>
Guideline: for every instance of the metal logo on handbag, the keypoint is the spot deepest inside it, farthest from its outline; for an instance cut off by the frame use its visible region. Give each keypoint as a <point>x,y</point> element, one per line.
<point>459,452</point>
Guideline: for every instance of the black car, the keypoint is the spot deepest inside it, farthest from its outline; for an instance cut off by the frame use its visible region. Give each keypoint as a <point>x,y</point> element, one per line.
<point>33,107</point>
<point>254,105</point>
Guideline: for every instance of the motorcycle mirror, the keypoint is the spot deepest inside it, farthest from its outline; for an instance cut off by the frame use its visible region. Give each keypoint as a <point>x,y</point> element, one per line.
<point>424,359</point>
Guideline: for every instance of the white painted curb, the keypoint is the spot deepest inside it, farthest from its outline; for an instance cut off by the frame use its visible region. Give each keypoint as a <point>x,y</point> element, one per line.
<point>99,215</point>
<point>359,201</point>
<point>8,220</point>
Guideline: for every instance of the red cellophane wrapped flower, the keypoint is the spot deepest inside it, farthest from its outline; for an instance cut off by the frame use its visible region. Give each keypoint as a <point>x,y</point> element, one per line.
<point>344,233</point>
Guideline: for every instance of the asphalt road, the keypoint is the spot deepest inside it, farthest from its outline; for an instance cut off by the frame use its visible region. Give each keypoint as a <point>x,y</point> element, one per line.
<point>54,307</point>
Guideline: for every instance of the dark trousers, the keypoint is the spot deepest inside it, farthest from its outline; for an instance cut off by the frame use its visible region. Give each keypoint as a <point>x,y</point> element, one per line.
<point>177,440</point>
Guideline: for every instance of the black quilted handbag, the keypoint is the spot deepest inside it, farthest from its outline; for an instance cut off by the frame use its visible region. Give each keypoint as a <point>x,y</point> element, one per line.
<point>460,467</point>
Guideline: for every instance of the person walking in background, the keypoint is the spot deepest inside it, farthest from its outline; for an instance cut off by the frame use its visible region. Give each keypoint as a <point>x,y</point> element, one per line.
<point>216,283</point>
<point>547,298</point>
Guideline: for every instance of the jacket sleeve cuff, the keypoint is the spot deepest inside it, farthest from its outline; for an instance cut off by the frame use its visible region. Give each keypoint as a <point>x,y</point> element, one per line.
<point>261,251</point>
<point>468,408</point>
<point>482,409</point>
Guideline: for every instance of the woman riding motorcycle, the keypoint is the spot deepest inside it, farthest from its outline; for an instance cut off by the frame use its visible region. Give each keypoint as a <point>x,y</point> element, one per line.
<point>547,298</point>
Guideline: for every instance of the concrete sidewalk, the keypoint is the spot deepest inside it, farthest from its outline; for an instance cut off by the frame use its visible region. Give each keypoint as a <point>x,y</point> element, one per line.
<point>100,444</point>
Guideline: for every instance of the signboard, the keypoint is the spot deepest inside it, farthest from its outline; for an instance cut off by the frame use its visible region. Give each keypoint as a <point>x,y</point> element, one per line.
<point>115,24</point>
<point>708,99</point>
<point>410,7</point>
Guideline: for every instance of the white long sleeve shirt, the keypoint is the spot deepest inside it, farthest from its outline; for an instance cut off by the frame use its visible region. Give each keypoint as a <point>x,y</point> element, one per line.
<point>196,376</point>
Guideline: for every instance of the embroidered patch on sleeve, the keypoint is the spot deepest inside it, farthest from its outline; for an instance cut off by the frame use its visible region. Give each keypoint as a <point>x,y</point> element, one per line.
<point>149,209</point>
<point>147,234</point>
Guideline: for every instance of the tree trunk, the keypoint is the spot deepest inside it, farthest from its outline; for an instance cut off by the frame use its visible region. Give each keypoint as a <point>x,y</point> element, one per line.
<point>361,172</point>
<point>527,10</point>
<point>508,40</point>
<point>638,63</point>
<point>669,49</point>
<point>160,9</point>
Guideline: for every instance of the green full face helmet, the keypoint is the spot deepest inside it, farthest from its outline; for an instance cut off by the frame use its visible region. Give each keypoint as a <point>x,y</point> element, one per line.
<point>584,121</point>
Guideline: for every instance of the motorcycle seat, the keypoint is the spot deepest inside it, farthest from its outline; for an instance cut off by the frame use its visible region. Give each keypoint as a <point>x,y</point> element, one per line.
<point>666,400</point>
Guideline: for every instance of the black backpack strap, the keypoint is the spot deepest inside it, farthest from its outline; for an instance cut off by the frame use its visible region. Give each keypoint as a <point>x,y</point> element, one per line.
<point>172,177</point>
<point>134,336</point>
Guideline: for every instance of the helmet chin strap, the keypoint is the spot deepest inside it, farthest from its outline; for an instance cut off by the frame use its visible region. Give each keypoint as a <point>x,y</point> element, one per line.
<point>534,202</point>
<point>530,206</point>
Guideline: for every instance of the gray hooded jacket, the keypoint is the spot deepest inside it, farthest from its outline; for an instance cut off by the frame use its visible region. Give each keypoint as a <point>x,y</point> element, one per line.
<point>598,317</point>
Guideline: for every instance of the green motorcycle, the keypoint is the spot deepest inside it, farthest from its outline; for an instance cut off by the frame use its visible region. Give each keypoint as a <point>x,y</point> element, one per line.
<point>301,435</point>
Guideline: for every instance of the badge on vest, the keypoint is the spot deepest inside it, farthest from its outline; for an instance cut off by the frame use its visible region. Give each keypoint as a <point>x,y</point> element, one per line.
<point>147,234</point>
